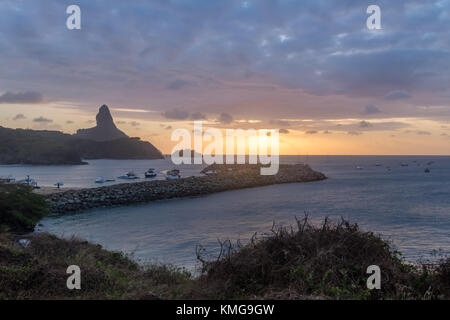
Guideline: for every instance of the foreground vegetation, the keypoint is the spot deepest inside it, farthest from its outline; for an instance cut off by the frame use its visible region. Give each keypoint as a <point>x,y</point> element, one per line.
<point>20,208</point>
<point>328,261</point>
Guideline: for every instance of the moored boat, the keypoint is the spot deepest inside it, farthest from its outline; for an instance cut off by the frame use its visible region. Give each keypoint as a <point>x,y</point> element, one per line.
<point>128,176</point>
<point>150,173</point>
<point>173,174</point>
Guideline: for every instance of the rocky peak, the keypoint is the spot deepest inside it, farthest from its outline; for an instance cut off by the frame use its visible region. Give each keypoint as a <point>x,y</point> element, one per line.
<point>104,117</point>
<point>105,130</point>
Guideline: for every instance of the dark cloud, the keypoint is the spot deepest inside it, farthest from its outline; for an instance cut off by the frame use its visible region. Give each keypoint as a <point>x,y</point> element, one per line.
<point>371,109</point>
<point>284,131</point>
<point>225,118</point>
<point>176,114</point>
<point>134,124</point>
<point>354,133</point>
<point>311,132</point>
<point>365,124</point>
<point>21,97</point>
<point>41,119</point>
<point>169,128</point>
<point>327,132</point>
<point>397,95</point>
<point>423,133</point>
<point>19,116</point>
<point>69,122</point>
<point>198,116</point>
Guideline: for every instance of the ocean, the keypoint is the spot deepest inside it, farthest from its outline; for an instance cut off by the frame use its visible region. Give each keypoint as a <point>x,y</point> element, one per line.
<point>403,204</point>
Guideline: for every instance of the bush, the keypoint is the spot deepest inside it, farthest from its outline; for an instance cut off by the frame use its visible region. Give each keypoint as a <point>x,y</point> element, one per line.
<point>20,208</point>
<point>329,261</point>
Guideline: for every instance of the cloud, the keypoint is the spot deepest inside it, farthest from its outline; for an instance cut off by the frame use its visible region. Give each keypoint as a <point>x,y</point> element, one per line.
<point>197,116</point>
<point>397,95</point>
<point>169,128</point>
<point>284,131</point>
<point>281,123</point>
<point>176,114</point>
<point>19,116</point>
<point>311,132</point>
<point>121,122</point>
<point>41,119</point>
<point>365,124</point>
<point>134,124</point>
<point>225,118</point>
<point>371,109</point>
<point>327,132</point>
<point>423,133</point>
<point>177,84</point>
<point>354,133</point>
<point>69,122</point>
<point>28,97</point>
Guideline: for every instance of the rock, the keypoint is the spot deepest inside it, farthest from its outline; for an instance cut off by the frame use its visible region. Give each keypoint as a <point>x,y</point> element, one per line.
<point>105,130</point>
<point>241,176</point>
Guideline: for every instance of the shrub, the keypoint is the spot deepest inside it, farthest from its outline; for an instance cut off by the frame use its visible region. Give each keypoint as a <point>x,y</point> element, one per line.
<point>20,208</point>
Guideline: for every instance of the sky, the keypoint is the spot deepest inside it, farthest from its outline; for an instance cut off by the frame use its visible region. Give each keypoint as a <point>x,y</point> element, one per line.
<point>310,68</point>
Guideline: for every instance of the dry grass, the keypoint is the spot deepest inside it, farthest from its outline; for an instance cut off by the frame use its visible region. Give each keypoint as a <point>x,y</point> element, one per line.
<point>311,262</point>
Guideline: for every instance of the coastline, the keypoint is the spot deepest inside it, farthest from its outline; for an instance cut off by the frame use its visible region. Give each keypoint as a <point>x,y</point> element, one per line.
<point>225,178</point>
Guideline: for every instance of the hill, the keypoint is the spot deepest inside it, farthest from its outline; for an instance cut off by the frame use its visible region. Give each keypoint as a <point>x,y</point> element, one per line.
<point>41,147</point>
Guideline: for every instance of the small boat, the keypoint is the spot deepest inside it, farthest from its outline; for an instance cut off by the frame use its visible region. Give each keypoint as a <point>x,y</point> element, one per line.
<point>404,164</point>
<point>427,170</point>
<point>377,164</point>
<point>150,173</point>
<point>128,176</point>
<point>99,180</point>
<point>59,184</point>
<point>173,174</point>
<point>359,168</point>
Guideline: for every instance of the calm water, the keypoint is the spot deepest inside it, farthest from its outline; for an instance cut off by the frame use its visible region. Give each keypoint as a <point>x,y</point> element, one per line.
<point>83,176</point>
<point>406,205</point>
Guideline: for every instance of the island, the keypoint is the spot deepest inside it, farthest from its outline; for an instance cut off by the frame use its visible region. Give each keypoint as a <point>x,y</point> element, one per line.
<point>43,147</point>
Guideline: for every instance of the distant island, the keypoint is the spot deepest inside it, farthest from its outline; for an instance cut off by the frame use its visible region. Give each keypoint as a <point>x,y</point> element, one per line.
<point>42,147</point>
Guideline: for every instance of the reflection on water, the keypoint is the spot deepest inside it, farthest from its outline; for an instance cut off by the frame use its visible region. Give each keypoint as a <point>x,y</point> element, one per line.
<point>405,204</point>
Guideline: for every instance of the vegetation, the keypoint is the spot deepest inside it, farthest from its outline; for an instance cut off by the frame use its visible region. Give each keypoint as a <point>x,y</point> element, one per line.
<point>20,208</point>
<point>325,262</point>
<point>18,146</point>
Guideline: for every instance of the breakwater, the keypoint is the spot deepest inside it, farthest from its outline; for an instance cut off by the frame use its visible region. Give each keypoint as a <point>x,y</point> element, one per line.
<point>217,178</point>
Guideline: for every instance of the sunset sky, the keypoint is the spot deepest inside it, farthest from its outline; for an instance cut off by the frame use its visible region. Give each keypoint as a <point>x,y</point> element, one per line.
<point>310,68</point>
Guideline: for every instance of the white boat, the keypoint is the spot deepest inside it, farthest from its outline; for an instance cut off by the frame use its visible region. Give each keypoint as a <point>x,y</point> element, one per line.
<point>99,180</point>
<point>359,168</point>
<point>150,173</point>
<point>128,176</point>
<point>173,174</point>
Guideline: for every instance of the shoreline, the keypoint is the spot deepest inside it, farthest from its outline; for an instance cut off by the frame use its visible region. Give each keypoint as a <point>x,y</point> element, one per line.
<point>225,178</point>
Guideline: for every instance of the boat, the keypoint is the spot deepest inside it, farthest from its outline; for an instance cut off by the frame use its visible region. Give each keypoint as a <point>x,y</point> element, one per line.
<point>59,184</point>
<point>173,174</point>
<point>99,180</point>
<point>427,170</point>
<point>7,180</point>
<point>128,176</point>
<point>404,164</point>
<point>150,173</point>
<point>359,168</point>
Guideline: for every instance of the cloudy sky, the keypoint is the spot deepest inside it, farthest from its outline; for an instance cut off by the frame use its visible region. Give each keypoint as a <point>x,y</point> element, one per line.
<point>310,68</point>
